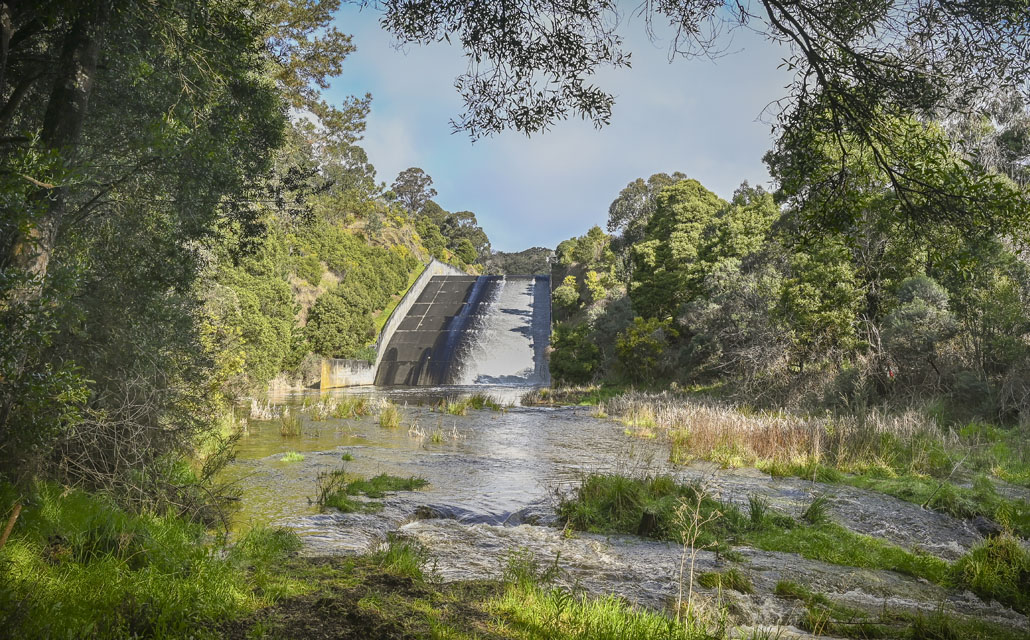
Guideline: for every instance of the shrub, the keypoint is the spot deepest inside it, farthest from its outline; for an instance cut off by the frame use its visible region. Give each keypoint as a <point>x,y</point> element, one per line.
<point>566,295</point>
<point>641,348</point>
<point>575,358</point>
<point>997,568</point>
<point>309,268</point>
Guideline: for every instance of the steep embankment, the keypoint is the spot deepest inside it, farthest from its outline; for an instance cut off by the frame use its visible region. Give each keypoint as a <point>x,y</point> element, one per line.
<point>323,288</point>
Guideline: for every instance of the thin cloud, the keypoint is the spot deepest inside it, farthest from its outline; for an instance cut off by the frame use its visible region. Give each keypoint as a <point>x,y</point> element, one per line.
<point>694,116</point>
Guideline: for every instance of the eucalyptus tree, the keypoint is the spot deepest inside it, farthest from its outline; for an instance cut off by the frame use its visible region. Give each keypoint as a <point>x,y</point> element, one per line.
<point>414,189</point>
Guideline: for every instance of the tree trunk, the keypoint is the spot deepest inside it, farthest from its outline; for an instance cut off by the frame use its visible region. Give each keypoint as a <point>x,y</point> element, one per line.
<point>6,31</point>
<point>63,122</point>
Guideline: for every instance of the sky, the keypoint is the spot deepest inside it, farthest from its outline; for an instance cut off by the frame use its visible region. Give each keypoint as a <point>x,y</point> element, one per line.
<point>708,119</point>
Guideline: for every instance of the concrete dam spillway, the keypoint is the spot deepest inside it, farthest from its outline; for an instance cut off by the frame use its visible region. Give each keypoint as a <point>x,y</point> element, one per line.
<point>467,330</point>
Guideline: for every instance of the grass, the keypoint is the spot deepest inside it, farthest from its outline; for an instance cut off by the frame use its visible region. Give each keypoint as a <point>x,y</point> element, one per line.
<point>461,406</point>
<point>79,566</point>
<point>351,407</point>
<point>292,456</point>
<point>289,424</point>
<point>390,416</point>
<point>824,616</point>
<point>591,395</point>
<point>835,544</point>
<point>732,579</point>
<point>335,488</point>
<point>908,455</point>
<point>390,593</point>
<point>999,569</point>
<point>646,506</point>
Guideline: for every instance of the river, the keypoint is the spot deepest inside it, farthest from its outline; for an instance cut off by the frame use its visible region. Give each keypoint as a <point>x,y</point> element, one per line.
<point>493,477</point>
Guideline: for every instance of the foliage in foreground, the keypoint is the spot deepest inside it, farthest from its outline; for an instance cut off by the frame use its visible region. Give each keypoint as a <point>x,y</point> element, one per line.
<point>79,566</point>
<point>648,507</point>
<point>908,455</point>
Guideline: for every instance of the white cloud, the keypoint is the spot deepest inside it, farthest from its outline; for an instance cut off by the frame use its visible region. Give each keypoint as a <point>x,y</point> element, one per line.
<point>694,116</point>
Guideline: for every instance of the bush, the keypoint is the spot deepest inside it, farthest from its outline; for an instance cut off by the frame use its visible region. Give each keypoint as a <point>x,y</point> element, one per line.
<point>310,269</point>
<point>566,295</point>
<point>641,348</point>
<point>575,358</point>
<point>913,332</point>
<point>998,568</point>
<point>336,329</point>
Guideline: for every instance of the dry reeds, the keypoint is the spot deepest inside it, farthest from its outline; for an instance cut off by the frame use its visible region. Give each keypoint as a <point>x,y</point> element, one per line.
<point>733,436</point>
<point>289,424</point>
<point>390,416</point>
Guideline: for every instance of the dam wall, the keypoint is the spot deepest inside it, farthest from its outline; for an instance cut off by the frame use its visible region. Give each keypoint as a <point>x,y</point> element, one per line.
<point>470,330</point>
<point>338,372</point>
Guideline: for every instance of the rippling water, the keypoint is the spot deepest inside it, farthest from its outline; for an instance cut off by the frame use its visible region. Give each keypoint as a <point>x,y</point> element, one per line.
<point>492,479</point>
<point>491,467</point>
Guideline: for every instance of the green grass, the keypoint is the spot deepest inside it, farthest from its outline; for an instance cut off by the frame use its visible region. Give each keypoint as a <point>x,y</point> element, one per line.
<point>477,401</point>
<point>351,407</point>
<point>581,396</point>
<point>997,568</point>
<point>390,416</point>
<point>339,491</point>
<point>609,503</point>
<point>982,499</point>
<point>732,579</point>
<point>292,456</point>
<point>391,594</point>
<point>76,565</point>
<point>824,616</point>
<point>532,607</point>
<point>835,544</point>
<point>402,557</point>
<point>378,486</point>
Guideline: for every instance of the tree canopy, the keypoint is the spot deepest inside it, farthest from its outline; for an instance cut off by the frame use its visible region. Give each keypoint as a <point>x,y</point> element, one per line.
<point>859,68</point>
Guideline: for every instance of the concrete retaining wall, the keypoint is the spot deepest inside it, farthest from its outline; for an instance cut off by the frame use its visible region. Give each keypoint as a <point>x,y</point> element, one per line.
<point>337,372</point>
<point>349,373</point>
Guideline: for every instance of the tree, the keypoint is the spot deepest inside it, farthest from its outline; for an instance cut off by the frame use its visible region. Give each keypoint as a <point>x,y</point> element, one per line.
<point>857,65</point>
<point>575,358</point>
<point>461,226</point>
<point>636,203</point>
<point>138,144</point>
<point>642,348</point>
<point>466,251</point>
<point>820,300</point>
<point>915,329</point>
<point>566,295</point>
<point>413,188</point>
<point>666,270</point>
<point>336,329</point>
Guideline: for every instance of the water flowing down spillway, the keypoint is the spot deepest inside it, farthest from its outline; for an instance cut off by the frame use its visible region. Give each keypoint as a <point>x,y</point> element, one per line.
<point>473,330</point>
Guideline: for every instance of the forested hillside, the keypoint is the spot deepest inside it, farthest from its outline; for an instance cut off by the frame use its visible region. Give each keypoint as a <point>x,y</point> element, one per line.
<point>185,220</point>
<point>820,294</point>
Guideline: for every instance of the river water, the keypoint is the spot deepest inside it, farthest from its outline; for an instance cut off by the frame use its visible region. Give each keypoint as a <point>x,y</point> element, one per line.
<point>493,476</point>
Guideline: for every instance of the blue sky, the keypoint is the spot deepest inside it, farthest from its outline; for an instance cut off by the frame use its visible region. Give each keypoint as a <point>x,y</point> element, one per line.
<point>707,119</point>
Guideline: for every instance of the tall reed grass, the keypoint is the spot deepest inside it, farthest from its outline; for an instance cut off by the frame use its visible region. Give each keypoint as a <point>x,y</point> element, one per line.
<point>734,436</point>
